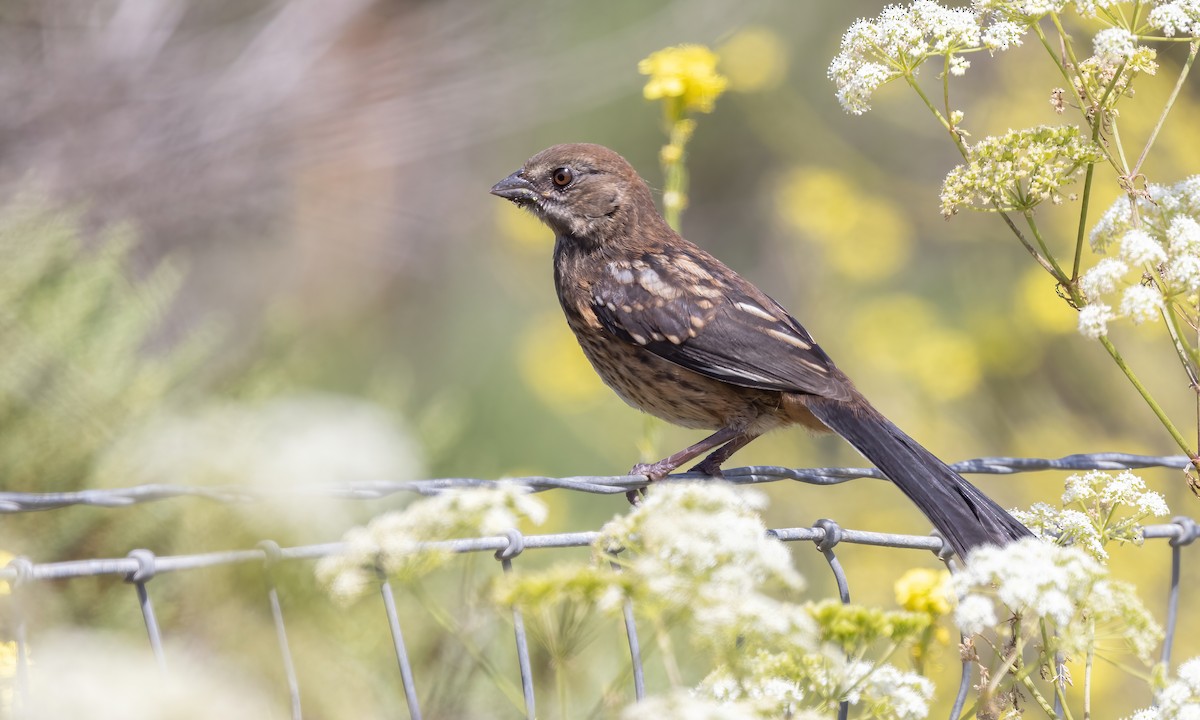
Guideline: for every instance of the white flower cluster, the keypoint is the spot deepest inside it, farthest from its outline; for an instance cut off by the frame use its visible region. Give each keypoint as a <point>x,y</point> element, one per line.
<point>1113,46</point>
<point>1018,170</point>
<point>781,684</point>
<point>1030,577</point>
<point>1024,11</point>
<point>1097,508</point>
<point>699,554</point>
<point>1180,699</point>
<point>396,543</point>
<point>1164,247</point>
<point>1176,16</point>
<point>1065,586</point>
<point>1107,492</point>
<point>901,38</point>
<point>767,688</point>
<point>1089,8</point>
<point>683,704</point>
<point>1064,526</point>
<point>703,547</point>
<point>908,693</point>
<point>1030,11</point>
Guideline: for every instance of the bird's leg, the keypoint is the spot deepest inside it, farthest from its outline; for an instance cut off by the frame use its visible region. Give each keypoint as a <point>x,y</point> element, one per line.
<point>662,468</point>
<point>711,465</point>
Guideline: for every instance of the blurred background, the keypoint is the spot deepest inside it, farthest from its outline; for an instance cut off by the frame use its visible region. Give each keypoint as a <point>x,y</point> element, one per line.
<point>251,242</point>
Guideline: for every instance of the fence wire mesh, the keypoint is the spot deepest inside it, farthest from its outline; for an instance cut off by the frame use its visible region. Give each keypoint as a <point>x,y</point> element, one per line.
<point>141,565</point>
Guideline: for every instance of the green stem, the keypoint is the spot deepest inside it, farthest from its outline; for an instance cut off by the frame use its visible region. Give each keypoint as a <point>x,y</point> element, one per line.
<point>945,121</point>
<point>560,683</point>
<point>673,194</point>
<point>1159,38</point>
<point>1085,202</point>
<point>1154,406</point>
<point>1123,167</point>
<point>1066,40</point>
<point>1162,118</point>
<point>999,673</point>
<point>663,638</point>
<point>946,87</point>
<point>1040,699</point>
<point>1187,355</point>
<point>1021,236</point>
<point>1056,271</point>
<point>1059,683</point>
<point>1083,213</point>
<point>675,175</point>
<point>1087,683</point>
<point>1058,63</point>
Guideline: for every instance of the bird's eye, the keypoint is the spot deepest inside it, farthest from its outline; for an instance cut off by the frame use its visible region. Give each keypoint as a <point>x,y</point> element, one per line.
<point>563,176</point>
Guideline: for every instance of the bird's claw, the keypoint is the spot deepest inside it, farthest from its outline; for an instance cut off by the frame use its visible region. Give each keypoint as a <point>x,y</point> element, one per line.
<point>652,471</point>
<point>710,469</point>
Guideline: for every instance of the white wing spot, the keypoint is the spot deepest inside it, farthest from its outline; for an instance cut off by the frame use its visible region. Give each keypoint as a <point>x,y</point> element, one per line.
<point>814,366</point>
<point>756,311</point>
<point>620,273</point>
<point>789,339</point>
<point>686,265</point>
<point>745,374</point>
<point>653,283</point>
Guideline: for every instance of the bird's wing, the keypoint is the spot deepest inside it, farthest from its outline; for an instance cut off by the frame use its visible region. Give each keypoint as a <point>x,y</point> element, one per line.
<point>700,315</point>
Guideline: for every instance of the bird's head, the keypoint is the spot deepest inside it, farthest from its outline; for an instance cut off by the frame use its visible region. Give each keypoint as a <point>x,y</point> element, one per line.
<point>581,191</point>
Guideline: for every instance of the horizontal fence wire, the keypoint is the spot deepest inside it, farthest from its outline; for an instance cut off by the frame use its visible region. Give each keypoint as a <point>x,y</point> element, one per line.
<point>141,566</point>
<point>15,502</point>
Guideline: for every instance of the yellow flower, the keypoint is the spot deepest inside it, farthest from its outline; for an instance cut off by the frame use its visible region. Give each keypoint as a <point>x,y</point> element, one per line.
<point>687,72</point>
<point>925,591</point>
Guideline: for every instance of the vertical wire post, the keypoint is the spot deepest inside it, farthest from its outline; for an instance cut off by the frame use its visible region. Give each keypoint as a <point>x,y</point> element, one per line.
<point>1185,536</point>
<point>516,544</point>
<point>945,553</point>
<point>831,535</point>
<point>406,673</point>
<point>21,699</point>
<point>144,574</point>
<point>271,555</point>
<point>635,648</point>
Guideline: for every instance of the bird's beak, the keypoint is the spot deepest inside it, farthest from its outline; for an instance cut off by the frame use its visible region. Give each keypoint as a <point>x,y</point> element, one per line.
<point>516,188</point>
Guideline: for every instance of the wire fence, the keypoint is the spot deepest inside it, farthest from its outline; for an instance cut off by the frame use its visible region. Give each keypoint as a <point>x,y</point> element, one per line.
<point>141,565</point>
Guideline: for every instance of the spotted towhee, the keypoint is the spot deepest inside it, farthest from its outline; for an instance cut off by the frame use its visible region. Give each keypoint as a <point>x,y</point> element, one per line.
<point>681,336</point>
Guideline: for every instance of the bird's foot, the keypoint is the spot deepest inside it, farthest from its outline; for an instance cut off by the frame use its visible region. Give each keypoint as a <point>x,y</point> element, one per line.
<point>652,471</point>
<point>710,467</point>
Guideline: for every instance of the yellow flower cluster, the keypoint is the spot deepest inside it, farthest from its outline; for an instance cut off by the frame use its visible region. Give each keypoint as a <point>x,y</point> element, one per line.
<point>687,72</point>
<point>921,590</point>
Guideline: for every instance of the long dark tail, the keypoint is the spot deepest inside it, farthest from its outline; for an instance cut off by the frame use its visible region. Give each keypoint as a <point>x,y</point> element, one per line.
<point>963,515</point>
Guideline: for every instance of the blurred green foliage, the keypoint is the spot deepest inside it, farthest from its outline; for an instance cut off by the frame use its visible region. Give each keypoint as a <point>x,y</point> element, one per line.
<point>78,369</point>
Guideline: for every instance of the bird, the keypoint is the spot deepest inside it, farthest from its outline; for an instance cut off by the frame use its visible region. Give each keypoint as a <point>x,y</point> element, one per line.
<point>678,334</point>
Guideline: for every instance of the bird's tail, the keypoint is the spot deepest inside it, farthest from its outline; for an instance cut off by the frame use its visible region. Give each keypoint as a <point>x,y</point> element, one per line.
<point>963,515</point>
